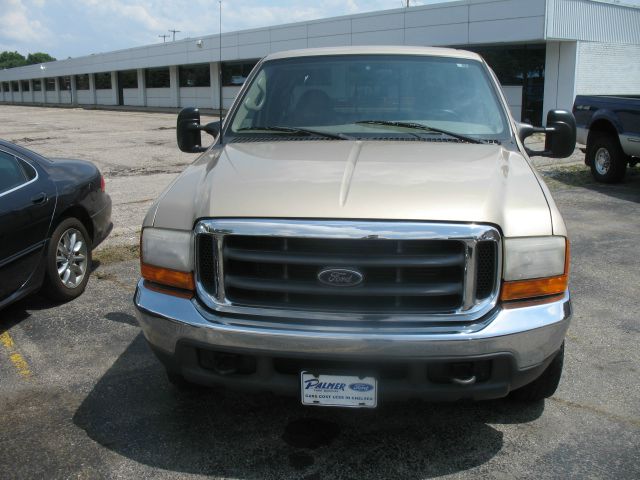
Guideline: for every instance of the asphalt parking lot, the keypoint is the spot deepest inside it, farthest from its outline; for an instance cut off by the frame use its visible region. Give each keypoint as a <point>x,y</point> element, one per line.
<point>81,395</point>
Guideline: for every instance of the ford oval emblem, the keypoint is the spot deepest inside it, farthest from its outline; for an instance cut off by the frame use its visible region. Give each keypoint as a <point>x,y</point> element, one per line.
<point>361,387</point>
<point>340,277</point>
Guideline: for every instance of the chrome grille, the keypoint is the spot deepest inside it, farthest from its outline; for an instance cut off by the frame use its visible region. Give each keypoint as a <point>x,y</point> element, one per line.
<point>410,270</point>
<point>398,275</point>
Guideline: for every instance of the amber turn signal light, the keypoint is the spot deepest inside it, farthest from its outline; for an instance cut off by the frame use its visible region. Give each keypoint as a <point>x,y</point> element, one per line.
<point>168,277</point>
<point>540,287</point>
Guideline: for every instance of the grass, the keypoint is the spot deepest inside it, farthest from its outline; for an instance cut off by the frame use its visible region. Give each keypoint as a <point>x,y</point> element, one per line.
<point>567,176</point>
<point>116,254</point>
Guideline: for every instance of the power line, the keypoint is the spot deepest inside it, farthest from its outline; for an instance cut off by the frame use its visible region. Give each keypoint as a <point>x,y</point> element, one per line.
<point>174,34</point>
<point>164,37</point>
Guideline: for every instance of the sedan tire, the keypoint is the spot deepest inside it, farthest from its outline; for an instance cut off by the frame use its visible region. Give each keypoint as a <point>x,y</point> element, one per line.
<point>68,261</point>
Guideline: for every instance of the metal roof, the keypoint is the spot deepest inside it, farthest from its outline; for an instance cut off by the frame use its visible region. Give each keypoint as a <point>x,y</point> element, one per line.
<point>462,22</point>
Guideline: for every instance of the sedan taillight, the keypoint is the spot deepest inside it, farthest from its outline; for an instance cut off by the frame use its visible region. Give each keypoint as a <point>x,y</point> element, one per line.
<point>102,184</point>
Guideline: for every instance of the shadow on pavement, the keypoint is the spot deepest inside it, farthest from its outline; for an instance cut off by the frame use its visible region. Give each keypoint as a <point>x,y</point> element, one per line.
<point>580,176</point>
<point>135,412</point>
<point>16,312</point>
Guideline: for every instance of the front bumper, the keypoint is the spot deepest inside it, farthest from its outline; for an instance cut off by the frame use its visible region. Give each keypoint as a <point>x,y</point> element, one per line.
<point>521,339</point>
<point>102,224</point>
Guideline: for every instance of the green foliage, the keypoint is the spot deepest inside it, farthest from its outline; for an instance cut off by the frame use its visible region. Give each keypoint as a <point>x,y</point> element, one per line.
<point>39,57</point>
<point>14,59</point>
<point>11,60</point>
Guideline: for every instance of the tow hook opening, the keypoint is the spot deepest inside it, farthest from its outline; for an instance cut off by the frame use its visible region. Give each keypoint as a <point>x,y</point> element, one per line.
<point>227,363</point>
<point>460,373</point>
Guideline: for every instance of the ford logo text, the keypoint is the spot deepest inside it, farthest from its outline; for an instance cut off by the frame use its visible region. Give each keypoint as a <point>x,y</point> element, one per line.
<point>361,387</point>
<point>340,277</point>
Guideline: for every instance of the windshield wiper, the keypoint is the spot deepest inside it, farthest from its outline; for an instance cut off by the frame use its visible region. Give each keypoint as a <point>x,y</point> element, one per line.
<point>306,131</point>
<point>420,126</point>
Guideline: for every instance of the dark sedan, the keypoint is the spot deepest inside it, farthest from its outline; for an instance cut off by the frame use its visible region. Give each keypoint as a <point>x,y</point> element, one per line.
<point>53,213</point>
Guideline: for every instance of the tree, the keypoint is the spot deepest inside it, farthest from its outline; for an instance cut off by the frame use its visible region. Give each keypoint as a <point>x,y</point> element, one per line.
<point>39,57</point>
<point>11,59</point>
<point>14,59</point>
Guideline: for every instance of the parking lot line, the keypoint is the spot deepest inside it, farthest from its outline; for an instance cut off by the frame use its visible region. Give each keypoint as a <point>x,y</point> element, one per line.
<point>16,358</point>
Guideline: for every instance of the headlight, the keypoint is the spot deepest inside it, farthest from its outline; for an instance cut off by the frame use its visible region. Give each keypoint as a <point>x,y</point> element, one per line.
<point>166,257</point>
<point>535,267</point>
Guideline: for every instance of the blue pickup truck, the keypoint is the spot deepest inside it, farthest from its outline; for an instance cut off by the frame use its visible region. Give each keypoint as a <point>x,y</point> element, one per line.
<point>610,128</point>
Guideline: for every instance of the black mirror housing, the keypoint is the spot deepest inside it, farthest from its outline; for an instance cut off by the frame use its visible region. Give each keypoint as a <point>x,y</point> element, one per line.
<point>188,130</point>
<point>560,132</point>
<point>212,128</point>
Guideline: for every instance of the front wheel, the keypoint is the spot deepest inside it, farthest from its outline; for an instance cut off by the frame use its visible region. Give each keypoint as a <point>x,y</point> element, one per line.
<point>545,385</point>
<point>606,158</point>
<point>68,261</point>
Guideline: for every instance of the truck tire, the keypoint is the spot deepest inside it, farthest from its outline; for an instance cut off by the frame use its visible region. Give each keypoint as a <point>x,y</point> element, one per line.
<point>67,261</point>
<point>545,385</point>
<point>606,158</point>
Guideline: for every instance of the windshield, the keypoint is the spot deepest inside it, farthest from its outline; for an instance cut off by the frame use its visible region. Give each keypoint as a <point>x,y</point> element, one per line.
<point>371,97</point>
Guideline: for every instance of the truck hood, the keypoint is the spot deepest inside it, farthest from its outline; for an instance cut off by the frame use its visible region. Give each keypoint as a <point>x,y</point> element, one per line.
<point>390,180</point>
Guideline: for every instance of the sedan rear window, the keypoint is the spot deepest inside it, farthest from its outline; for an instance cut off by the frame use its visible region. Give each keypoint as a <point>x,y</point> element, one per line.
<point>11,172</point>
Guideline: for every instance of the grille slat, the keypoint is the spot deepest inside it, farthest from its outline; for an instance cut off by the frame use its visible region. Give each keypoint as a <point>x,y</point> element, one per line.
<point>312,288</point>
<point>288,258</point>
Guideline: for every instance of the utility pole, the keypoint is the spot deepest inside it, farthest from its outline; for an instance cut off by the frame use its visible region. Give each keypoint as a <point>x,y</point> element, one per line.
<point>164,38</point>
<point>174,34</point>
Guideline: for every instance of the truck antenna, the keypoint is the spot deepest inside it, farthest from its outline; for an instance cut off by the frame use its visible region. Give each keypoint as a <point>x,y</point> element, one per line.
<point>220,74</point>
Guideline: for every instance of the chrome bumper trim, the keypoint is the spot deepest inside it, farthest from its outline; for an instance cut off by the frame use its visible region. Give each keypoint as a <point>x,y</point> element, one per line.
<point>531,333</point>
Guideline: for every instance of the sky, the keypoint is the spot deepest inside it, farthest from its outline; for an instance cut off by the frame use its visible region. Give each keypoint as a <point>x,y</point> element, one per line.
<point>71,28</point>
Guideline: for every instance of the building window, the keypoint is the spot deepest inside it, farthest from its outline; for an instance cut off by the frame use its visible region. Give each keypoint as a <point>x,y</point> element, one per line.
<point>65,83</point>
<point>103,81</point>
<point>82,82</point>
<point>195,75</point>
<point>520,65</point>
<point>37,85</point>
<point>15,87</point>
<point>234,74</point>
<point>5,87</point>
<point>50,84</point>
<point>128,79</point>
<point>157,77</point>
<point>25,85</point>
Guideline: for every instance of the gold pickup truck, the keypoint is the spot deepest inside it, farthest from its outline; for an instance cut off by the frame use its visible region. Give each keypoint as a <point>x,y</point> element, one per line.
<point>366,226</point>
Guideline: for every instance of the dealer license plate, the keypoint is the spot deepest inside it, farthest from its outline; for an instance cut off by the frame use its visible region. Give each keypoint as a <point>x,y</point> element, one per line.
<point>338,390</point>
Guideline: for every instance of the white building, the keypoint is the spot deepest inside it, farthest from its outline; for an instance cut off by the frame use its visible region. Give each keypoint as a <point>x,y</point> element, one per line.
<point>544,52</point>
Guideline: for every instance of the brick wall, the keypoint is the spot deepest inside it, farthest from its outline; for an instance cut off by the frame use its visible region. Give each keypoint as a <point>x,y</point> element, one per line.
<point>607,69</point>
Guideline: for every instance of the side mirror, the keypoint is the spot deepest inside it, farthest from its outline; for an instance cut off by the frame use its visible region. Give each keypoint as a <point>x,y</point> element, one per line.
<point>560,133</point>
<point>188,130</point>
